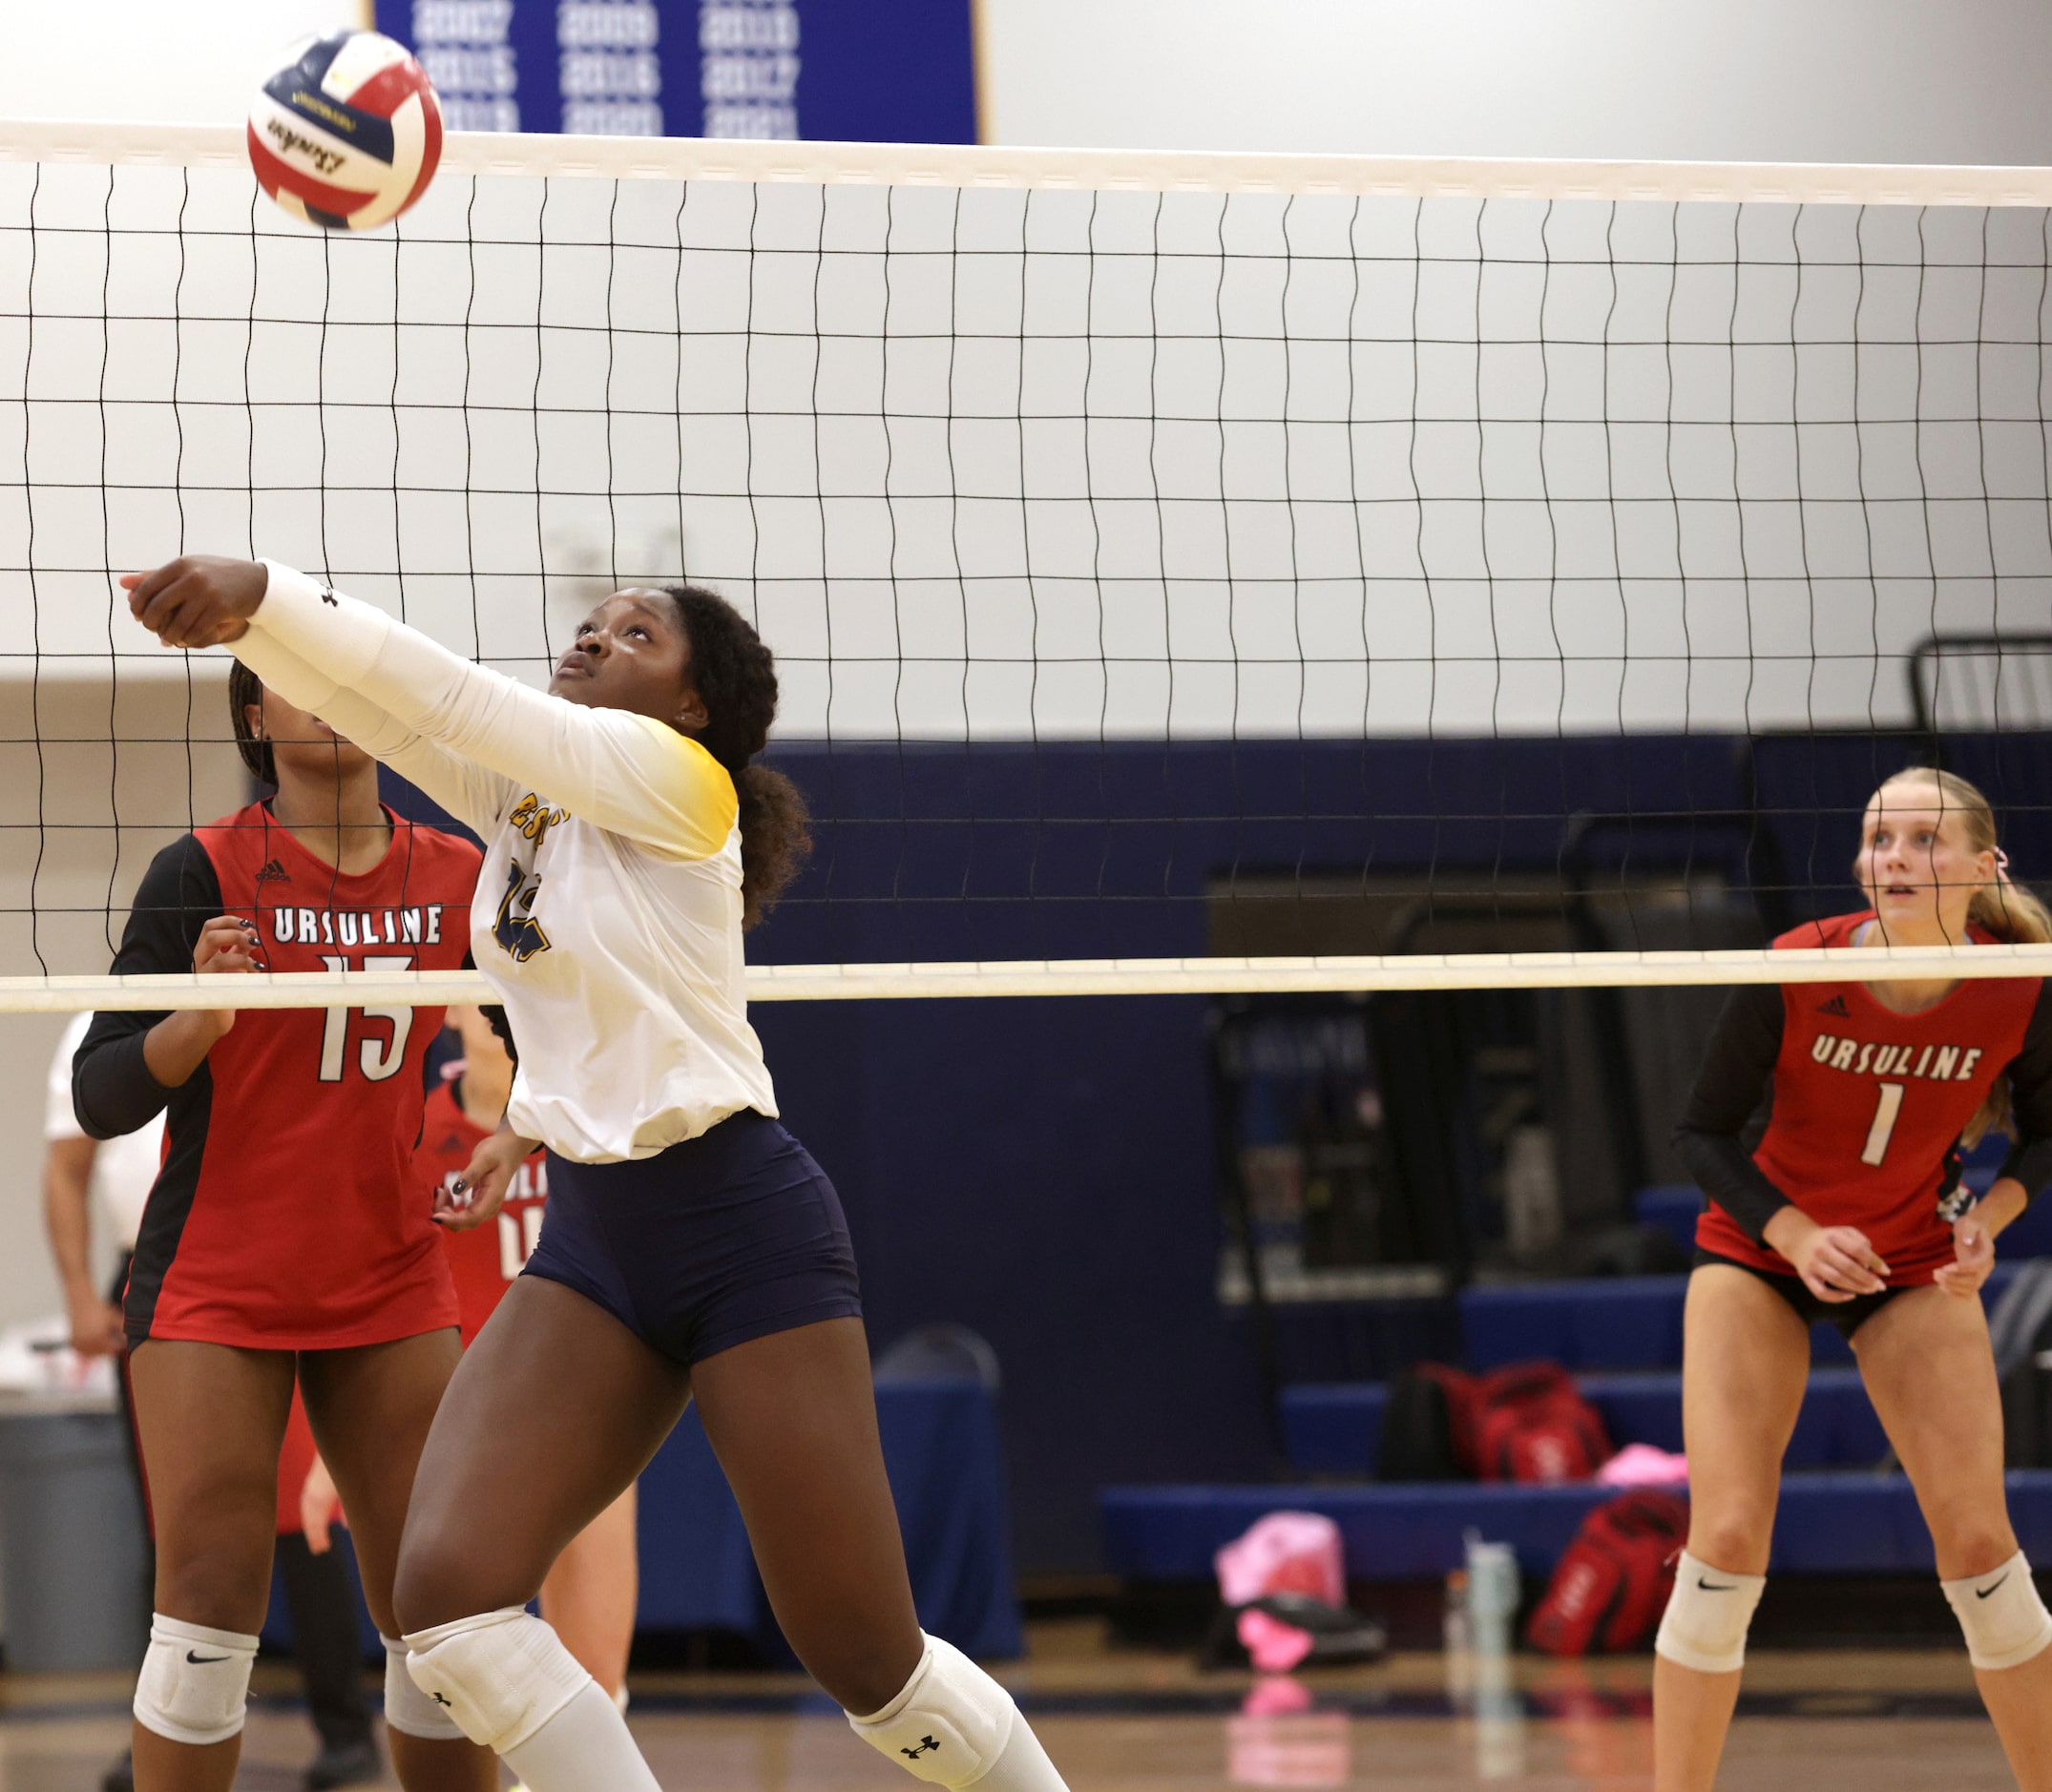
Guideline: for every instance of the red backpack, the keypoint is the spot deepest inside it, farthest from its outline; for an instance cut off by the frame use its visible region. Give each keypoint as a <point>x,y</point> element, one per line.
<point>1529,1423</point>
<point>1611,1584</point>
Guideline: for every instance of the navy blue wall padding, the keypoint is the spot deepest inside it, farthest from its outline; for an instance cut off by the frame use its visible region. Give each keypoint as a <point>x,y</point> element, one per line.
<point>1828,1523</point>
<point>947,1474</point>
<point>1630,1323</point>
<point>1674,1208</point>
<point>1336,1429</point>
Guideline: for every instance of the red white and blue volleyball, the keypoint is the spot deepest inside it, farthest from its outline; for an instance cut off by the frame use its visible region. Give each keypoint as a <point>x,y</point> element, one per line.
<point>348,135</point>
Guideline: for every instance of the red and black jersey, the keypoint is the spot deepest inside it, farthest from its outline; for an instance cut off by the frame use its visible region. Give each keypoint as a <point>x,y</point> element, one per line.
<point>1866,1107</point>
<point>286,1215</point>
<point>486,1258</point>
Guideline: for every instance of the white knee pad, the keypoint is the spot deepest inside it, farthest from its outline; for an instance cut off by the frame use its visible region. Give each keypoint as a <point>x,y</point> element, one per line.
<point>501,1676</point>
<point>2006,1621</point>
<point>1707,1615</point>
<point>407,1708</point>
<point>194,1686</point>
<point>949,1724</point>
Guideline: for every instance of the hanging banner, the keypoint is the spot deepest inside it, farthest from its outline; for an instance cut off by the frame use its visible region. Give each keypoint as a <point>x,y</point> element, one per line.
<point>844,71</point>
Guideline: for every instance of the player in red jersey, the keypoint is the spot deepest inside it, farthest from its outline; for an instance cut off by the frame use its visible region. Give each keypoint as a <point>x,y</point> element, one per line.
<point>588,1594</point>
<point>1850,1208</point>
<point>284,1231</point>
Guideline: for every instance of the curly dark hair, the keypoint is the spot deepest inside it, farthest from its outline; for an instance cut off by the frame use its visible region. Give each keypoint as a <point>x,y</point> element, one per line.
<point>737,676</point>
<point>245,688</point>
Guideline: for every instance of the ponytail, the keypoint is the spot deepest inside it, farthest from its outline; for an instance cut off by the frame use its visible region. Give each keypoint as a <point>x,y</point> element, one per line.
<point>2004,909</point>
<point>736,675</point>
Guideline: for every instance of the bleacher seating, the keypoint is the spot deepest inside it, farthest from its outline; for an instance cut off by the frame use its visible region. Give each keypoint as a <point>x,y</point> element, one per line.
<point>1839,1513</point>
<point>1335,1429</point>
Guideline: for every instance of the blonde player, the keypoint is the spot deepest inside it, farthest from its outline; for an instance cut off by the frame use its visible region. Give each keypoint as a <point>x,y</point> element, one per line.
<point>693,1248</point>
<point>1850,1209</point>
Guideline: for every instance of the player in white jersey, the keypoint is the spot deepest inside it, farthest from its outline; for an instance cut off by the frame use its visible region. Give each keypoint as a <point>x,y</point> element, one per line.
<point>693,1249</point>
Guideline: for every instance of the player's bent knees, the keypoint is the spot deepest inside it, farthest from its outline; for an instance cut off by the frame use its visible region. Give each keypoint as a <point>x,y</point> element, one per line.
<point>2004,1618</point>
<point>1708,1614</point>
<point>194,1687</point>
<point>1733,1538</point>
<point>499,1675</point>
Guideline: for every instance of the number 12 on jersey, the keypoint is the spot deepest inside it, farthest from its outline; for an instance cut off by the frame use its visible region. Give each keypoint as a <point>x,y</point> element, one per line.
<point>1885,1111</point>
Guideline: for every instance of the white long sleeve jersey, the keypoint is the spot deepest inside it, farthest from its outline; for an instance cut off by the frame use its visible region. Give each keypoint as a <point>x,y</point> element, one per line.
<point>608,912</point>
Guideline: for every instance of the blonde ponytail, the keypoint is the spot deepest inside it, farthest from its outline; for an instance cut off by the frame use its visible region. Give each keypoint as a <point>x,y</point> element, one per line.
<point>2004,909</point>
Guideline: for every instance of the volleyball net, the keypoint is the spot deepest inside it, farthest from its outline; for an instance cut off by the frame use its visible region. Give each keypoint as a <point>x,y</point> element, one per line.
<point>1186,573</point>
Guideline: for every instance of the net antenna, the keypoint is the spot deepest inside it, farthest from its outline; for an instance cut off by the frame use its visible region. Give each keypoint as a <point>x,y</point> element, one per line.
<point>1189,572</point>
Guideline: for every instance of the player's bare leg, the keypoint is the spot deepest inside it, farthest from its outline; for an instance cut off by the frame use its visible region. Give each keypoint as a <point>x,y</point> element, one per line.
<point>370,1409</point>
<point>1745,1363</point>
<point>792,1418</point>
<point>589,1594</point>
<point>1929,1369</point>
<point>212,1420</point>
<point>549,1366</point>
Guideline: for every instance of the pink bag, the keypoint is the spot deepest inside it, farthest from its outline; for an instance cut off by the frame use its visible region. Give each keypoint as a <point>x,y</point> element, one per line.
<point>1283,1552</point>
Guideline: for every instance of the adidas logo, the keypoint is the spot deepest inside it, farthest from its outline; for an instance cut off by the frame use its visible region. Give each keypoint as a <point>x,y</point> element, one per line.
<point>274,873</point>
<point>1835,1006</point>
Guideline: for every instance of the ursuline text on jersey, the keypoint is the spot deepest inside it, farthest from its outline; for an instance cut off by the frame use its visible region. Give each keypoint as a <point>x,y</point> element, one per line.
<point>1933,1063</point>
<point>358,927</point>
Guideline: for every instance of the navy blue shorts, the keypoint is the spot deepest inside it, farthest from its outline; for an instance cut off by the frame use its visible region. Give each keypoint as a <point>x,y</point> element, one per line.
<point>720,1239</point>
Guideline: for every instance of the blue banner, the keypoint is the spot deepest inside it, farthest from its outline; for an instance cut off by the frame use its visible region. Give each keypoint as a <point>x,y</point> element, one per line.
<point>854,71</point>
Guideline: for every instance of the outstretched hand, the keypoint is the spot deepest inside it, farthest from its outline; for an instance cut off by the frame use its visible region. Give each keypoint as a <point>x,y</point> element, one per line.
<point>199,600</point>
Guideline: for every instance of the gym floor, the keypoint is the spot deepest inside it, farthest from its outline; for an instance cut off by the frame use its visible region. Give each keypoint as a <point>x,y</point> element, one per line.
<point>1838,1721</point>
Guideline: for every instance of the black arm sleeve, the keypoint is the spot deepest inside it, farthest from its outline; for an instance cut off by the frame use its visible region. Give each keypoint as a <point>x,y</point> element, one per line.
<point>1737,1070</point>
<point>112,1089</point>
<point>2030,1098</point>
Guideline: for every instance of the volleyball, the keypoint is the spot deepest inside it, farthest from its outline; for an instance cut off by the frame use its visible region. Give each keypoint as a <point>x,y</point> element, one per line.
<point>348,135</point>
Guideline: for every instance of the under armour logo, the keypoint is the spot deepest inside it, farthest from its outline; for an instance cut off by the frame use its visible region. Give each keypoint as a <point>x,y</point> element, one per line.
<point>328,597</point>
<point>440,1701</point>
<point>274,873</point>
<point>925,1742</point>
<point>1835,1006</point>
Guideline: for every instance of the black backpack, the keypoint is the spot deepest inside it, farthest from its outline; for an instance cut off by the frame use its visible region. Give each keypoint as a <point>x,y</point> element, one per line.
<point>1425,1419</point>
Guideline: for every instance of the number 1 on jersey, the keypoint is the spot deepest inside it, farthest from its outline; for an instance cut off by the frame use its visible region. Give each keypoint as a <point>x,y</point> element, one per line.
<point>1885,1111</point>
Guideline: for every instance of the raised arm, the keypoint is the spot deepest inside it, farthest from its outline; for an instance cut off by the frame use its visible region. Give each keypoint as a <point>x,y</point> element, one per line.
<point>474,797</point>
<point>628,774</point>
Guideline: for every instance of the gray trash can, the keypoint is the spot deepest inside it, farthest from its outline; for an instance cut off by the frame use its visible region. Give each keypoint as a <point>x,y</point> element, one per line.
<point>70,1540</point>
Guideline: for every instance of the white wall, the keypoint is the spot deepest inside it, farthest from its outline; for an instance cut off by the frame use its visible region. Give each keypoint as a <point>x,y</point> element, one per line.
<point>170,61</point>
<point>1729,80</point>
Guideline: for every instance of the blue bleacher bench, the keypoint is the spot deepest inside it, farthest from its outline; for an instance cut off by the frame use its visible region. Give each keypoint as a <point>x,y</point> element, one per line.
<point>1622,1322</point>
<point>1832,1522</point>
<point>1336,1429</point>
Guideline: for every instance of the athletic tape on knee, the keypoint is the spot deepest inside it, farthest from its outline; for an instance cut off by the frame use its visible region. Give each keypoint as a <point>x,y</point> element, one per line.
<point>194,1686</point>
<point>407,1708</point>
<point>2006,1621</point>
<point>1707,1615</point>
<point>501,1676</point>
<point>950,1722</point>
